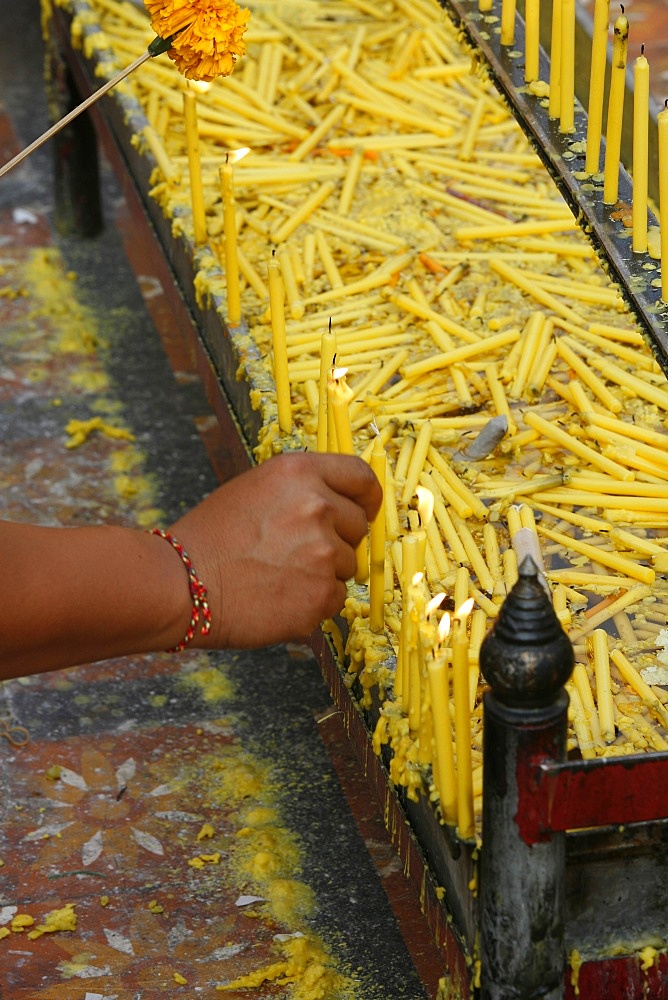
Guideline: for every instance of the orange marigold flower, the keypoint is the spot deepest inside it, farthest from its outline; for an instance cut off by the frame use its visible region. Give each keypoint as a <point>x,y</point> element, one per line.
<point>208,34</point>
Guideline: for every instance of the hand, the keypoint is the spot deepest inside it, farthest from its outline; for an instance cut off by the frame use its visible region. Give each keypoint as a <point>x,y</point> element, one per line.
<point>275,546</point>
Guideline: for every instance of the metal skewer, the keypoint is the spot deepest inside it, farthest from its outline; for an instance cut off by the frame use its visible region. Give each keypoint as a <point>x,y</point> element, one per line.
<point>156,48</point>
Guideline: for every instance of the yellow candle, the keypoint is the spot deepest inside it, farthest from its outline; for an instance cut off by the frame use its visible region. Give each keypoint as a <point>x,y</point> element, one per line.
<point>554,108</point>
<point>508,22</point>
<point>417,461</point>
<point>411,564</point>
<point>478,630</point>
<point>599,48</point>
<point>460,677</point>
<point>327,361</point>
<point>663,197</point>
<point>605,704</point>
<point>613,136</point>
<point>532,31</point>
<point>196,190</point>
<point>416,605</point>
<point>648,694</point>
<point>231,259</point>
<point>281,376</point>
<point>351,178</point>
<point>440,706</point>
<point>377,544</point>
<point>581,727</point>
<point>597,554</point>
<point>568,442</point>
<point>295,304</point>
<point>567,73</point>
<point>640,150</point>
<point>339,395</point>
<point>581,681</point>
<point>302,213</point>
<point>510,574</point>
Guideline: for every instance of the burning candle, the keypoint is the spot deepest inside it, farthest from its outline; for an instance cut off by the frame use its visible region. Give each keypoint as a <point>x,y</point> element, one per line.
<point>640,150</point>
<point>437,673</point>
<point>416,614</point>
<point>230,232</point>
<point>567,73</point>
<point>460,679</point>
<point>532,40</point>
<point>663,197</point>
<point>339,395</point>
<point>599,48</point>
<point>377,544</point>
<point>295,303</point>
<point>196,189</point>
<point>279,342</point>
<point>411,563</point>
<point>327,360</point>
<point>613,136</point>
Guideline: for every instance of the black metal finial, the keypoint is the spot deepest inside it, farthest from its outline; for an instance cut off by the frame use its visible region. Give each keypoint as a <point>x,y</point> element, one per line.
<point>527,657</point>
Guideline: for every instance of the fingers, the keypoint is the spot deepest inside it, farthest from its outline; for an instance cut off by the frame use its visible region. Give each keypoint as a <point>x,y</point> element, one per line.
<point>349,477</point>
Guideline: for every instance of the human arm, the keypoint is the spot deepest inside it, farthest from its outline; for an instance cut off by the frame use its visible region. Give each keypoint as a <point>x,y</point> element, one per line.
<point>273,547</point>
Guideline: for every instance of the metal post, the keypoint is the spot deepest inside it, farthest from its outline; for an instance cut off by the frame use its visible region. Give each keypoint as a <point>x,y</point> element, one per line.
<point>78,204</point>
<point>525,659</point>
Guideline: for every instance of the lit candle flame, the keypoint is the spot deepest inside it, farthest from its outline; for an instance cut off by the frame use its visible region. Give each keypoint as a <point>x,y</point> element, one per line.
<point>417,579</point>
<point>434,603</point>
<point>425,504</point>
<point>464,610</point>
<point>200,86</point>
<point>339,373</point>
<point>234,155</point>
<point>444,627</point>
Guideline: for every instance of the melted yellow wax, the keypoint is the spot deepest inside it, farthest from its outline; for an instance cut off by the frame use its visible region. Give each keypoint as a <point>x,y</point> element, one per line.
<point>51,290</point>
<point>80,431</point>
<point>647,957</point>
<point>64,919</point>
<point>306,967</point>
<point>575,962</point>
<point>213,685</point>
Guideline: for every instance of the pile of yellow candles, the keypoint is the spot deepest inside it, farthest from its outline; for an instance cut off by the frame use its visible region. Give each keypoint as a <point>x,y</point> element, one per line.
<point>562,103</point>
<point>416,287</point>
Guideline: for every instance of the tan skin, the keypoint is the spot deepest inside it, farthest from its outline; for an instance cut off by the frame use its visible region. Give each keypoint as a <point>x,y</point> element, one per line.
<point>273,547</point>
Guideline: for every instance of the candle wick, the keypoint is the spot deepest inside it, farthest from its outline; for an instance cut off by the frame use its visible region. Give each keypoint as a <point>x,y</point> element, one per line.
<point>227,157</point>
<point>273,252</point>
<point>330,324</point>
<point>642,49</point>
<point>622,7</point>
